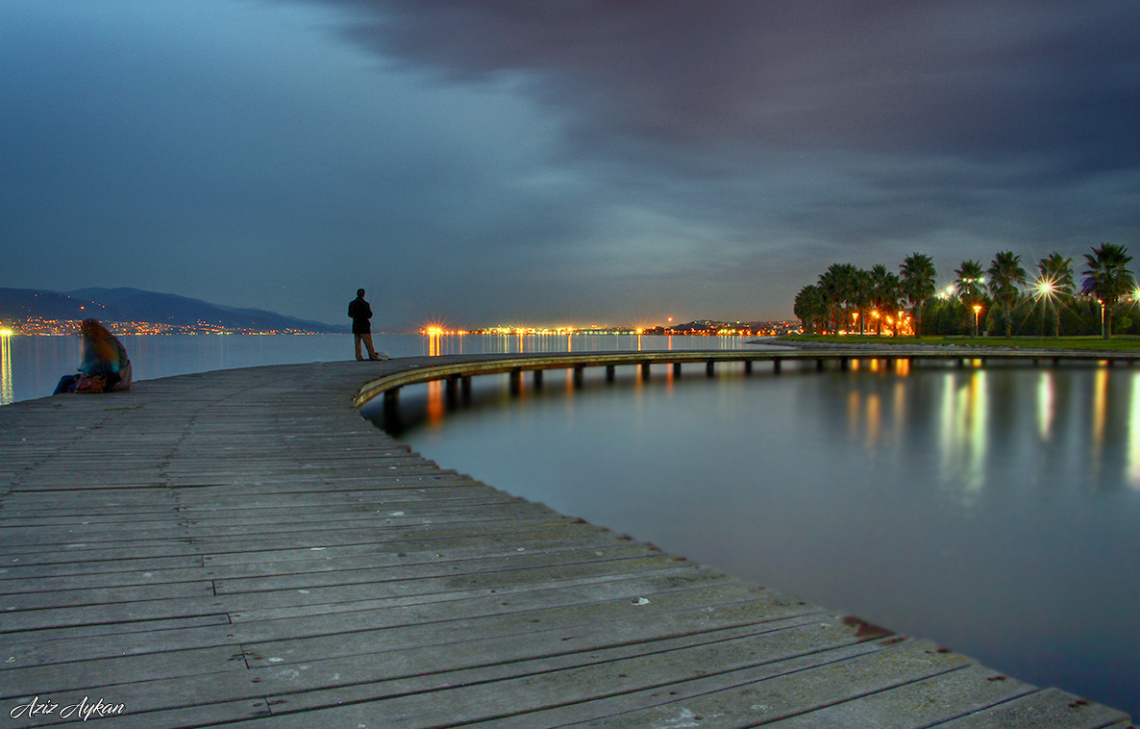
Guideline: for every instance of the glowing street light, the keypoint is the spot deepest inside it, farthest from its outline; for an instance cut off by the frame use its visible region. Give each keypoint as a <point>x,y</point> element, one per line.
<point>977,310</point>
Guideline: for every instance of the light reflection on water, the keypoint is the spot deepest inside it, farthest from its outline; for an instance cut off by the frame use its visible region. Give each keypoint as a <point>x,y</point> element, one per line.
<point>32,365</point>
<point>994,510</point>
<point>7,393</point>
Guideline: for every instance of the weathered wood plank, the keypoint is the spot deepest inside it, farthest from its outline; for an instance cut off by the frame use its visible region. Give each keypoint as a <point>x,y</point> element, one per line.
<point>456,619</point>
<point>268,573</point>
<point>753,696</point>
<point>1049,708</point>
<point>921,704</point>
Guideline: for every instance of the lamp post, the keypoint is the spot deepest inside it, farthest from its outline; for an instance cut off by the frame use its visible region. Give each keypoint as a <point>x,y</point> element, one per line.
<point>977,310</point>
<point>1103,331</point>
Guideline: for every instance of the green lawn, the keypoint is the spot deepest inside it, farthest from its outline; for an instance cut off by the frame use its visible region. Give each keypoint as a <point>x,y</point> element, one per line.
<point>1094,344</point>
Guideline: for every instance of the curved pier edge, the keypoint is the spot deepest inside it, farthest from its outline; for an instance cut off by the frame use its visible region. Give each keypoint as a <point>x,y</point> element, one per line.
<point>462,367</point>
<point>239,548</point>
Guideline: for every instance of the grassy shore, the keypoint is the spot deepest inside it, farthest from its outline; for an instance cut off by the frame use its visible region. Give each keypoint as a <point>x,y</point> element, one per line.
<point>1094,344</point>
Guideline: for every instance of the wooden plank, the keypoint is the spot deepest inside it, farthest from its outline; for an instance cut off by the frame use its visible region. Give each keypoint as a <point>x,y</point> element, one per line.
<point>282,573</point>
<point>296,687</point>
<point>542,629</point>
<point>202,596</point>
<point>449,617</point>
<point>754,696</point>
<point>921,704</point>
<point>179,526</point>
<point>569,677</point>
<point>1049,708</point>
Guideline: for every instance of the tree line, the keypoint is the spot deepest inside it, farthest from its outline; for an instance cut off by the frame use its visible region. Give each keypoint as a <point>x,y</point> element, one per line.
<point>1001,298</point>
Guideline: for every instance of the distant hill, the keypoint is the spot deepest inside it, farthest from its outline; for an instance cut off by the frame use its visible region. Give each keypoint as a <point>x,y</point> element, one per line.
<point>127,304</point>
<point>26,303</point>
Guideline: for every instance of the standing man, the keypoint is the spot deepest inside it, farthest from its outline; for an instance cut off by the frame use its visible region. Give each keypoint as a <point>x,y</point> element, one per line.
<point>361,314</point>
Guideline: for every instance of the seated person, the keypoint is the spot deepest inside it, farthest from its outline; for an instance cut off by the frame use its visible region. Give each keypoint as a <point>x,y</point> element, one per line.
<point>105,364</point>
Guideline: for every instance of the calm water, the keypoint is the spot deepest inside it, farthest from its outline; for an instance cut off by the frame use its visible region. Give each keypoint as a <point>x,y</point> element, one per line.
<point>30,367</point>
<point>996,511</point>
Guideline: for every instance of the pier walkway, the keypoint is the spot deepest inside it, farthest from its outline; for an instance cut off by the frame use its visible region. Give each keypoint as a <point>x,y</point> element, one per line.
<point>240,548</point>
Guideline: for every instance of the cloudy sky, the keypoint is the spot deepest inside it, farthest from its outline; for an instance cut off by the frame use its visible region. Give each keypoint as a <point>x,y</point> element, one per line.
<point>554,161</point>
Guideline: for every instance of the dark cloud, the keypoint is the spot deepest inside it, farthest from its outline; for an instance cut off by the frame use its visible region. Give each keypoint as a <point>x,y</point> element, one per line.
<point>558,159</point>
<point>884,125</point>
<point>964,78</point>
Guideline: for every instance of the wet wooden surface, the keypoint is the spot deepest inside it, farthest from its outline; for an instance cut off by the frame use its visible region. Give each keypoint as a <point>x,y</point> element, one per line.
<point>240,548</point>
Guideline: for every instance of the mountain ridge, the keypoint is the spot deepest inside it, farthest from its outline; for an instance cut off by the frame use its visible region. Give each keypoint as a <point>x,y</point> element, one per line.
<point>125,304</point>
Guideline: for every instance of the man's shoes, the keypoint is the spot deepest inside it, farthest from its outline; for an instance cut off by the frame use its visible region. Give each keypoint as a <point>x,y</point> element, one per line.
<point>378,356</point>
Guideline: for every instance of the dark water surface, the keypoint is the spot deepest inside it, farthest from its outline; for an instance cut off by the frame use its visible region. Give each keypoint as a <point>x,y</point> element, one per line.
<point>994,510</point>
<point>30,366</point>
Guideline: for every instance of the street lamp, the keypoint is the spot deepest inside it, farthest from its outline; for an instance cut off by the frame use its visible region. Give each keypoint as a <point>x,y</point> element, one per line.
<point>977,310</point>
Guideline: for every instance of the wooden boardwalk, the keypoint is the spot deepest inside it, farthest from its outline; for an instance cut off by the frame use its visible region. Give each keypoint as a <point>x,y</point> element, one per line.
<point>241,549</point>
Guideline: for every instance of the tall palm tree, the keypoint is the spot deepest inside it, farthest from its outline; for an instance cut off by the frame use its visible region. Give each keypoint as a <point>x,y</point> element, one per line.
<point>862,293</point>
<point>1006,274</point>
<point>917,285</point>
<point>886,290</point>
<point>1055,285</point>
<point>838,285</point>
<point>1108,278</point>
<point>811,308</point>
<point>971,287</point>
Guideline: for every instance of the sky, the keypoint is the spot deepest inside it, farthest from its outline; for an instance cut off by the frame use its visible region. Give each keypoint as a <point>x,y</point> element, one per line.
<point>554,161</point>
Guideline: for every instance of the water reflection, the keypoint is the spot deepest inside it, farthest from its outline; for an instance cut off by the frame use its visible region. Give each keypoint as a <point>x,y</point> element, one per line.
<point>962,417</point>
<point>7,391</point>
<point>1100,415</point>
<point>964,434</point>
<point>435,403</point>
<point>1134,439</point>
<point>1045,406</point>
<point>962,505</point>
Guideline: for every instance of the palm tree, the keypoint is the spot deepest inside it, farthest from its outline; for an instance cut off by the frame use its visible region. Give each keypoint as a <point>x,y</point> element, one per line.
<point>811,308</point>
<point>885,291</point>
<point>1108,279</point>
<point>862,292</point>
<point>970,286</point>
<point>1005,275</point>
<point>838,285</point>
<point>917,285</point>
<point>1054,283</point>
